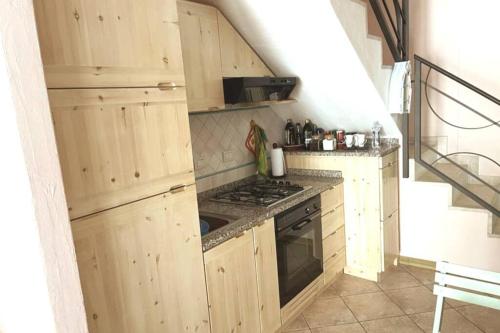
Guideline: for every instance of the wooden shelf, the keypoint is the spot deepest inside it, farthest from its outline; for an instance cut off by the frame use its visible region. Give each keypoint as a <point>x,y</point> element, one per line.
<point>244,106</point>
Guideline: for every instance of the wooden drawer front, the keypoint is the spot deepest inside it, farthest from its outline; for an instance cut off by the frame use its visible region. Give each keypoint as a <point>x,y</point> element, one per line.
<point>389,190</point>
<point>332,221</point>
<point>388,160</point>
<point>332,198</point>
<point>120,145</point>
<point>333,243</point>
<point>334,266</point>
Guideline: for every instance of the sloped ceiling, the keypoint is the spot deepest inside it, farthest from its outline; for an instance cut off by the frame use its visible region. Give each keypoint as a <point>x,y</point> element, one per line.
<point>305,39</point>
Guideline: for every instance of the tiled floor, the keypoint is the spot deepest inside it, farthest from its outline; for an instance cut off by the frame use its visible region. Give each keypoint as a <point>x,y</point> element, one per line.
<point>402,302</point>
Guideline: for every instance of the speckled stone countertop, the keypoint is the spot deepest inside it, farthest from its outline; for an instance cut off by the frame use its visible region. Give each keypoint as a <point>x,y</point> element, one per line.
<point>246,217</point>
<point>384,149</point>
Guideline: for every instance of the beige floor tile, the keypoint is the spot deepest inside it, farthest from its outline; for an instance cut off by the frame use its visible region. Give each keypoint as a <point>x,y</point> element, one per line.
<point>328,312</point>
<point>486,319</point>
<point>425,276</point>
<point>397,280</point>
<point>348,328</point>
<point>401,324</point>
<point>453,322</point>
<point>413,300</point>
<point>296,325</point>
<point>350,285</point>
<point>372,306</point>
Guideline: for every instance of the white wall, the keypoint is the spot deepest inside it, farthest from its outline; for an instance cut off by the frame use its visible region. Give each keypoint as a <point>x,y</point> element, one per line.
<point>462,37</point>
<point>306,39</point>
<point>39,285</point>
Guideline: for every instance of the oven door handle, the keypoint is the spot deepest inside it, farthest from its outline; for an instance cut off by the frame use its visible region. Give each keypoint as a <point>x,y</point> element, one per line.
<point>301,224</point>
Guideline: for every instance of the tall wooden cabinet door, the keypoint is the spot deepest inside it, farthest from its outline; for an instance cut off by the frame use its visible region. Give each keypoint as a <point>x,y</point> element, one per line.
<point>201,54</point>
<point>389,189</point>
<point>238,58</point>
<point>390,240</point>
<point>267,276</point>
<point>141,266</point>
<point>120,145</point>
<point>112,43</point>
<point>232,286</point>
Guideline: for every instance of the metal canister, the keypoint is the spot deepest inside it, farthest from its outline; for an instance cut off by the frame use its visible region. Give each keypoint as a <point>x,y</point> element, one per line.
<point>340,136</point>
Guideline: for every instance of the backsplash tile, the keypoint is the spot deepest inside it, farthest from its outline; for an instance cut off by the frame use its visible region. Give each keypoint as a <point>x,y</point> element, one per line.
<point>212,134</point>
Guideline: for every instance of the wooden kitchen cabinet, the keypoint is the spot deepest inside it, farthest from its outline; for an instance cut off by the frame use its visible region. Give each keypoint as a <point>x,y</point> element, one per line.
<point>267,276</point>
<point>232,286</point>
<point>201,54</point>
<point>237,57</point>
<point>333,227</point>
<point>242,282</point>
<point>96,43</point>
<point>371,202</point>
<point>120,145</point>
<point>141,266</point>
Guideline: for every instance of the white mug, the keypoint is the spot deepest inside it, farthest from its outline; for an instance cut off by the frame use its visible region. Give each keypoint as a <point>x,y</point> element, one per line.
<point>359,140</point>
<point>349,140</point>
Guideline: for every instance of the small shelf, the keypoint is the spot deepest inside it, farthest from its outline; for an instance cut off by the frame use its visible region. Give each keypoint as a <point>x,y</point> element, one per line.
<point>243,106</point>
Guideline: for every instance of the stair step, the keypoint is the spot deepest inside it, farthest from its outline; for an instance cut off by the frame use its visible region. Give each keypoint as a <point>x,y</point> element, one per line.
<point>495,232</point>
<point>448,169</point>
<point>484,192</point>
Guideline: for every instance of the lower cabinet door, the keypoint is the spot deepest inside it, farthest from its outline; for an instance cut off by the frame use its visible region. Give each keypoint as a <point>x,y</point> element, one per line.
<point>390,240</point>
<point>232,286</point>
<point>141,266</point>
<point>267,276</point>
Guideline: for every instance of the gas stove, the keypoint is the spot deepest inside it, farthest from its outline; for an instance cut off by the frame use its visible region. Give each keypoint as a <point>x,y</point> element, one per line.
<point>263,193</point>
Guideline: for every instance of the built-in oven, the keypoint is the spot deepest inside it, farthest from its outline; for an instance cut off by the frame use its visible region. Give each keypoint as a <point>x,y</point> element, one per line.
<point>299,247</point>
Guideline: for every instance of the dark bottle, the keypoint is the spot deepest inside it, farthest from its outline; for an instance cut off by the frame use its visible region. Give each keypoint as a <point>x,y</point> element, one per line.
<point>307,133</point>
<point>299,139</point>
<point>290,133</point>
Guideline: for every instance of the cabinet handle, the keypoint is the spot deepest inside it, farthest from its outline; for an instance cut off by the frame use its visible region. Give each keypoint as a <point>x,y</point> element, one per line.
<point>178,188</point>
<point>167,85</point>
<point>333,233</point>
<point>334,255</point>
<point>213,108</point>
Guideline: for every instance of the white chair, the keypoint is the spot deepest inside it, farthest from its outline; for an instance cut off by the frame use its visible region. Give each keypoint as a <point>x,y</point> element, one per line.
<point>464,284</point>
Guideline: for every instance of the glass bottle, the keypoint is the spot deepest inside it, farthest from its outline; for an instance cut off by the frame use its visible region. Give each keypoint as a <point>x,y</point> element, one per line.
<point>376,134</point>
<point>298,134</point>
<point>289,133</point>
<point>308,132</point>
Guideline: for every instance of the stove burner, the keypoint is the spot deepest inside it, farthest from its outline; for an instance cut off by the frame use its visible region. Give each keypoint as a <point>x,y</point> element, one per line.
<point>259,193</point>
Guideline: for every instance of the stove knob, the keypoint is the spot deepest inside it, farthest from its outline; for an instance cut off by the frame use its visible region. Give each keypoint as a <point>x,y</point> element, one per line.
<point>274,182</point>
<point>307,210</point>
<point>315,206</point>
<point>288,183</point>
<point>281,182</point>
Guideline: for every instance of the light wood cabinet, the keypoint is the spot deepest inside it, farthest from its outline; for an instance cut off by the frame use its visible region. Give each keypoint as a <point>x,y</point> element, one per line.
<point>371,195</point>
<point>120,145</point>
<point>232,286</point>
<point>267,276</point>
<point>237,57</point>
<point>202,56</point>
<point>334,242</point>
<point>96,43</point>
<point>242,282</point>
<point>141,266</point>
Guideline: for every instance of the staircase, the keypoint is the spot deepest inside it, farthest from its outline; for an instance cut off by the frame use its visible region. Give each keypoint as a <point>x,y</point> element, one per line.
<point>449,207</point>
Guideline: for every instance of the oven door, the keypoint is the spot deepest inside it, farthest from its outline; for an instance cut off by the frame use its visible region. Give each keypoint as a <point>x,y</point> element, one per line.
<point>300,256</point>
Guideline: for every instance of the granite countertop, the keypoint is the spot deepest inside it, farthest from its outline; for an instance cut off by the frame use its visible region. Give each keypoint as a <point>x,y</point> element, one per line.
<point>384,149</point>
<point>246,217</point>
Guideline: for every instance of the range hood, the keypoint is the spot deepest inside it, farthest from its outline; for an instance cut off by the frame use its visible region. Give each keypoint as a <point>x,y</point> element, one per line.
<point>257,90</point>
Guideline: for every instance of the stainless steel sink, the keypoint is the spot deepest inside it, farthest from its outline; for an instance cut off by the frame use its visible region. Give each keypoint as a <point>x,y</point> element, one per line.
<point>216,221</point>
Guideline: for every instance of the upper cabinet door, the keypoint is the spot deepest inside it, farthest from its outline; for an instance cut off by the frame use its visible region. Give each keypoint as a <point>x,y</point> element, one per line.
<point>95,43</point>
<point>141,266</point>
<point>201,54</point>
<point>120,145</point>
<point>238,58</point>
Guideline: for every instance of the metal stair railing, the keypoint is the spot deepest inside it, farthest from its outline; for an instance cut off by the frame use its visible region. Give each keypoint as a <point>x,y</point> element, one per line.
<point>495,124</point>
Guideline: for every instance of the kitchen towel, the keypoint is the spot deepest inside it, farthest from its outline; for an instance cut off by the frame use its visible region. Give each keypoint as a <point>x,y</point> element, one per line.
<point>277,162</point>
